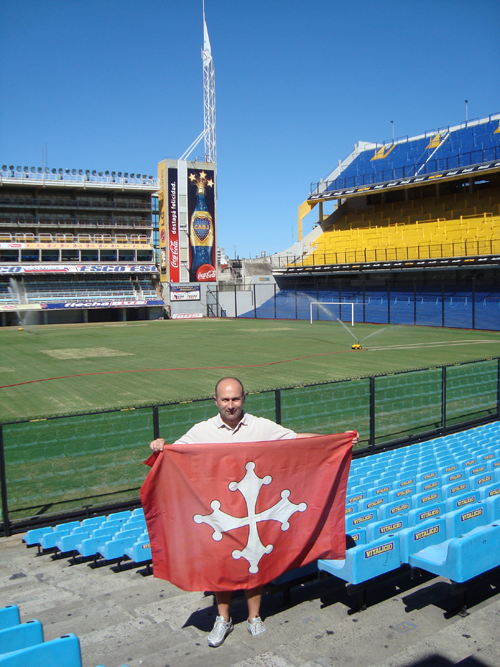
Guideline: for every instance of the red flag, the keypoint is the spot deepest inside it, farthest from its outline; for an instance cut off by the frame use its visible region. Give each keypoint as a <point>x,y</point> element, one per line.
<point>235,516</point>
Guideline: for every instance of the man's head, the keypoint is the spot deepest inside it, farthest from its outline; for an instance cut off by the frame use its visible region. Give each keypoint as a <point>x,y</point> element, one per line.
<point>229,398</point>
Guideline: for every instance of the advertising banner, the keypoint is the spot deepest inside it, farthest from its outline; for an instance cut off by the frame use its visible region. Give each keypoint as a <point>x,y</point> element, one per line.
<point>201,215</point>
<point>173,226</point>
<point>78,268</point>
<point>185,293</point>
<point>104,303</point>
<point>162,224</point>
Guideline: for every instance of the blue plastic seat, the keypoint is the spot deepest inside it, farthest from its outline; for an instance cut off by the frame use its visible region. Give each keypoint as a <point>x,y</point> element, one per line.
<point>9,616</point>
<point>461,500</point>
<point>372,503</point>
<point>366,561</point>
<point>61,652</point>
<point>359,520</point>
<point>480,481</point>
<point>390,510</point>
<point>48,540</point>
<point>490,490</point>
<point>461,486</point>
<point>68,542</point>
<point>403,481</point>
<point>115,548</point>
<point>21,636</point>
<point>140,552</point>
<point>417,516</point>
<point>378,529</point>
<point>462,558</point>
<point>416,538</point>
<point>493,508</point>
<point>426,498</point>
<point>33,536</point>
<point>401,494</point>
<point>462,521</point>
<point>428,476</point>
<point>88,546</point>
<point>381,489</point>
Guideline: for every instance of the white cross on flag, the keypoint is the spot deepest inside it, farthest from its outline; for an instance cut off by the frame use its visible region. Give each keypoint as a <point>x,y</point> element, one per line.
<point>236,516</point>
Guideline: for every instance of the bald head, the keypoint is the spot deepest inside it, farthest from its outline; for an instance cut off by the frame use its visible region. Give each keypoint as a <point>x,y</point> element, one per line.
<point>229,379</point>
<point>230,398</point>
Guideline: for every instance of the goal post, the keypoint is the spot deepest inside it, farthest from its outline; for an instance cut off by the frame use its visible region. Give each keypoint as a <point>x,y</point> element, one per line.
<point>331,303</point>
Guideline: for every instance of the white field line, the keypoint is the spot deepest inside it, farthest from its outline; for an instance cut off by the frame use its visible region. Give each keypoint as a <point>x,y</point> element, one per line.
<point>409,346</point>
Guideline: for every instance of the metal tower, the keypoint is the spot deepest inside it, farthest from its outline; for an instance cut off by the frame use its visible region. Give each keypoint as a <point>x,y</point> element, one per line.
<point>208,96</point>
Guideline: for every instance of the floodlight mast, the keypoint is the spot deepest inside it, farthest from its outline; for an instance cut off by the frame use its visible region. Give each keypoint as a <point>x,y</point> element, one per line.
<point>208,132</point>
<point>208,96</point>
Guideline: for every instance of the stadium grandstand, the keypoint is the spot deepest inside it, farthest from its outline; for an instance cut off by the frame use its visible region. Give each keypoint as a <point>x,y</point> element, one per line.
<point>77,246</point>
<point>414,236</point>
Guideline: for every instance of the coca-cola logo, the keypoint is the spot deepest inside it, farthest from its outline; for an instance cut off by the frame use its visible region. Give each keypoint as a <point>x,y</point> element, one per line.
<point>174,254</point>
<point>162,236</point>
<point>206,273</point>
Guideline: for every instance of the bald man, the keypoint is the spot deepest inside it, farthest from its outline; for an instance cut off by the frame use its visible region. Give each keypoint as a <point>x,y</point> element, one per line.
<point>233,424</point>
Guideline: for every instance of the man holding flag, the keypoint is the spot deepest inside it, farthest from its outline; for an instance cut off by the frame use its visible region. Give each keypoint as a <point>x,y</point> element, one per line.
<point>187,476</point>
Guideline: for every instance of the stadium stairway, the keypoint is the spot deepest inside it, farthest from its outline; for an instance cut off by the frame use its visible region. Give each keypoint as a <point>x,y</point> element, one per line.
<point>22,644</point>
<point>428,507</point>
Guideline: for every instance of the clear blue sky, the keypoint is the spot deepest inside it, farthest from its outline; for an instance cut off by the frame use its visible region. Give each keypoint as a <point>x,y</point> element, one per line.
<point>117,84</point>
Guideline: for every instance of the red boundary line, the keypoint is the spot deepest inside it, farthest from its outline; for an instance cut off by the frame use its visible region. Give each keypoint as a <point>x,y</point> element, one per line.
<point>162,370</point>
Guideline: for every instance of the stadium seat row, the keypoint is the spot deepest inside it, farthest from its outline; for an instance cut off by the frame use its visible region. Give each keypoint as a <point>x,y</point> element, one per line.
<point>112,537</point>
<point>23,645</point>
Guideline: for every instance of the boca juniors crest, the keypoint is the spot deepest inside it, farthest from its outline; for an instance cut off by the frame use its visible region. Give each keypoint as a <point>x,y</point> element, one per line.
<point>225,516</point>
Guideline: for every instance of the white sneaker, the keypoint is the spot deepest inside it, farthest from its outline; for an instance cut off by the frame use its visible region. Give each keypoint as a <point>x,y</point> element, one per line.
<point>256,626</point>
<point>220,631</point>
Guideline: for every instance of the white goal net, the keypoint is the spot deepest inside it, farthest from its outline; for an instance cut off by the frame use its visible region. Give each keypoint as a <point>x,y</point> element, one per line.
<point>316,307</point>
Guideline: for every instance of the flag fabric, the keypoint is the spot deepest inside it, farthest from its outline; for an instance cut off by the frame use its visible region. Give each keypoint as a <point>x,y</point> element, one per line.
<point>224,517</point>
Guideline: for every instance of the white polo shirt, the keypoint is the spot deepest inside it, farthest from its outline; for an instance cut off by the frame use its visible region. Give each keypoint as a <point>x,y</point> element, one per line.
<point>249,429</point>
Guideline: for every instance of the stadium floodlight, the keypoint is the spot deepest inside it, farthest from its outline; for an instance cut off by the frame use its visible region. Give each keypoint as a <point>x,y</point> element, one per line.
<point>320,304</point>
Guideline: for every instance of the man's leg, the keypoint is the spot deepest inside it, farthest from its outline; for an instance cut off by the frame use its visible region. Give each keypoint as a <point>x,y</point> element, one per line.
<point>254,597</point>
<point>223,599</point>
<point>223,624</point>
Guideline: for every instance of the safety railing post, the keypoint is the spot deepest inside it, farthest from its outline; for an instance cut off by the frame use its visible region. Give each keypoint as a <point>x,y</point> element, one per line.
<point>156,422</point>
<point>443,399</point>
<point>3,485</point>
<point>372,414</point>
<point>277,405</point>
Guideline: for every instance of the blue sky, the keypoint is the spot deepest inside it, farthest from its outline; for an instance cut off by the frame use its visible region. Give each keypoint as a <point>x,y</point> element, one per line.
<point>116,84</point>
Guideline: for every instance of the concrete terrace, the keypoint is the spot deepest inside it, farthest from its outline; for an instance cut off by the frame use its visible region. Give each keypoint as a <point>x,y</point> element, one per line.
<point>130,618</point>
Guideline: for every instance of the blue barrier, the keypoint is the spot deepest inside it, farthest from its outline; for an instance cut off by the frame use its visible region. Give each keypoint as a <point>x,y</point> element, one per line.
<point>21,636</point>
<point>63,652</point>
<point>9,616</point>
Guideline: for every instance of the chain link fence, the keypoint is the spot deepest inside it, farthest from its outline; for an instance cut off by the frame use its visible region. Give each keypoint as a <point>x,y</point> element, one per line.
<point>57,465</point>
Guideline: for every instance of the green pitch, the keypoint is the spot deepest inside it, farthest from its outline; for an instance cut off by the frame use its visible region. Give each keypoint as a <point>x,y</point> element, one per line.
<point>58,370</point>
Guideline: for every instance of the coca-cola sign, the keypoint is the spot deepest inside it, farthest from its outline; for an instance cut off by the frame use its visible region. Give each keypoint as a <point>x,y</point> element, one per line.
<point>206,273</point>
<point>173,229</point>
<point>174,254</point>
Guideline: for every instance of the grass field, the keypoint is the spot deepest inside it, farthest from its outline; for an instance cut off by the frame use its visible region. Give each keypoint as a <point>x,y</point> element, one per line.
<point>56,370</point>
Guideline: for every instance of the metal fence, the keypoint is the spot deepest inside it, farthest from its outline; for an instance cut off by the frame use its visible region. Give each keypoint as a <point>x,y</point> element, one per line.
<point>61,466</point>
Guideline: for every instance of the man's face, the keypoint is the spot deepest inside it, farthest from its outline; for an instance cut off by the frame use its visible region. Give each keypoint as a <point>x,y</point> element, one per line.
<point>229,400</point>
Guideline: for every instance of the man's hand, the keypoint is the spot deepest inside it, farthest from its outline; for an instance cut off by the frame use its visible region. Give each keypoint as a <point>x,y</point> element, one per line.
<point>157,445</point>
<point>355,439</point>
